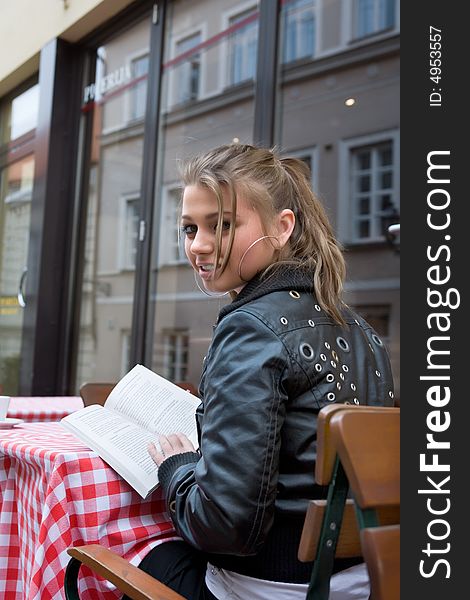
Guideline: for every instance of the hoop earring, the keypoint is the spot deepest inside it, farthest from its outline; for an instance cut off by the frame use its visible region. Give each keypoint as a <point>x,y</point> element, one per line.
<point>263,237</point>
<point>206,292</point>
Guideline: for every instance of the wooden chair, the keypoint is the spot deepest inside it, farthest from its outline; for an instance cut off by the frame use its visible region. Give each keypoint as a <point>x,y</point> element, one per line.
<point>333,531</point>
<point>368,448</point>
<point>95,393</point>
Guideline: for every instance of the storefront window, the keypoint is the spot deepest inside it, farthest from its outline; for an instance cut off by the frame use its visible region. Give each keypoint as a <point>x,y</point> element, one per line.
<point>203,62</point>
<point>18,120</point>
<point>116,104</point>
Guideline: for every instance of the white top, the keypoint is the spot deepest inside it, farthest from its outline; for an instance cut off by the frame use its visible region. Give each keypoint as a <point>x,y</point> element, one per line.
<point>350,584</point>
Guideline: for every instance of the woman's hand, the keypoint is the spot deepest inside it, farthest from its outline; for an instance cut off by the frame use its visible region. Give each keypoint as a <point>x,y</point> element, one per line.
<point>176,443</point>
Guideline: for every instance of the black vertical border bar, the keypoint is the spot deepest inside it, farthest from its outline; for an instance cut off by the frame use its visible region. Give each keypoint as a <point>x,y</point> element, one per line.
<point>434,115</point>
<point>50,230</point>
<point>266,72</point>
<point>150,154</point>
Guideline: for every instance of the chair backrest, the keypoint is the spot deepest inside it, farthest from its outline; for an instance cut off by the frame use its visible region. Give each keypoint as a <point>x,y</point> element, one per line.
<point>368,448</point>
<point>95,393</point>
<point>332,527</point>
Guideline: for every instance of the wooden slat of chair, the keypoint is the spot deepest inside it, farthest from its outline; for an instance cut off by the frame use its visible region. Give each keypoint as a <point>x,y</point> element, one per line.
<point>349,542</point>
<point>368,445</point>
<point>381,547</point>
<point>95,393</point>
<point>126,577</point>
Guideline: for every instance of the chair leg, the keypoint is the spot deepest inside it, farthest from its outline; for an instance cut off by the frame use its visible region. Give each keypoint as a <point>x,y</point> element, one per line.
<point>319,587</point>
<point>71,579</point>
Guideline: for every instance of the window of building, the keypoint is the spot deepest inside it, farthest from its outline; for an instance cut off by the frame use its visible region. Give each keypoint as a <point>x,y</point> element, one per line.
<point>299,30</point>
<point>139,70</point>
<point>310,157</point>
<point>174,355</point>
<point>172,244</point>
<point>188,72</point>
<point>373,16</point>
<point>371,192</point>
<point>243,44</point>
<point>130,231</point>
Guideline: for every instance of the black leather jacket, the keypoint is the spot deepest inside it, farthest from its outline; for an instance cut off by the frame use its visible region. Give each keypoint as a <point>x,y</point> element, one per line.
<point>275,360</point>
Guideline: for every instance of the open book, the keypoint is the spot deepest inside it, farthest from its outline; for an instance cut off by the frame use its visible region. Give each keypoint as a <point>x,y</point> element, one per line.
<point>142,406</point>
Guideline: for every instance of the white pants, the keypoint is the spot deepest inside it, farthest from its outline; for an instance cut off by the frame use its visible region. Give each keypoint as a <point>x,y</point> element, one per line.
<point>350,584</point>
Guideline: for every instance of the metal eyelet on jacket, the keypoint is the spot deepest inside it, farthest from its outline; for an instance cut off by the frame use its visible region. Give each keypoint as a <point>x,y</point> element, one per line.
<point>341,376</point>
<point>318,367</point>
<point>330,377</point>
<point>306,351</point>
<point>378,373</point>
<point>327,345</point>
<point>356,401</point>
<point>338,385</point>
<point>317,307</point>
<point>333,364</point>
<point>311,323</point>
<point>334,354</point>
<point>390,394</point>
<point>330,396</point>
<point>342,343</point>
<point>377,340</point>
<point>353,387</point>
<point>345,368</point>
<point>294,294</point>
<point>283,320</point>
<point>323,357</point>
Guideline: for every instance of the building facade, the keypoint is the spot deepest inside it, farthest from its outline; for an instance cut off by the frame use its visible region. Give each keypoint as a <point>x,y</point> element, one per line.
<point>93,277</point>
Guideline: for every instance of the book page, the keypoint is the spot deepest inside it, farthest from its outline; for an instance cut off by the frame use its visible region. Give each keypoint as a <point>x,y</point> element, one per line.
<point>155,403</point>
<point>121,443</point>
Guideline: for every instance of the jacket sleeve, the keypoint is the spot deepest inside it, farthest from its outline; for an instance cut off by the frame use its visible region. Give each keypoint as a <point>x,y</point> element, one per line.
<point>224,503</point>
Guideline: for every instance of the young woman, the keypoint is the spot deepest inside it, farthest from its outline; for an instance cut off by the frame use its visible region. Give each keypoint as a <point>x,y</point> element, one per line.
<point>282,349</point>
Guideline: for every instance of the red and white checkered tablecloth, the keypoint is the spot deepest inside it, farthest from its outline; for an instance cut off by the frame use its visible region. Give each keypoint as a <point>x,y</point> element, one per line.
<point>56,493</point>
<point>43,408</point>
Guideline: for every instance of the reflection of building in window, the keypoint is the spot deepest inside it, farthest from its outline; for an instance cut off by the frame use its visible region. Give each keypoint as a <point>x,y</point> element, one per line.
<point>174,355</point>
<point>130,231</point>
<point>125,351</point>
<point>172,242</point>
<point>299,30</point>
<point>139,70</point>
<point>243,42</point>
<point>188,72</point>
<point>372,16</point>
<point>378,317</point>
<point>308,156</point>
<point>372,190</point>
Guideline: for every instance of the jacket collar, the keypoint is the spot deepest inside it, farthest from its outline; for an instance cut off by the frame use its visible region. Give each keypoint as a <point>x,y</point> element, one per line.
<point>284,277</point>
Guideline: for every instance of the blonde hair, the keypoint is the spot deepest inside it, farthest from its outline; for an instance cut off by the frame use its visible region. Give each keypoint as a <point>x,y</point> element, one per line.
<point>272,183</point>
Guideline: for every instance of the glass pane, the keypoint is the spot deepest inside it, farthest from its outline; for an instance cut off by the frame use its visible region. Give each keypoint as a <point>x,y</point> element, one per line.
<point>116,104</point>
<point>386,180</point>
<point>182,315</point>
<point>363,229</point>
<point>364,206</point>
<point>385,156</point>
<point>363,160</point>
<point>364,183</point>
<point>18,122</point>
<point>299,29</point>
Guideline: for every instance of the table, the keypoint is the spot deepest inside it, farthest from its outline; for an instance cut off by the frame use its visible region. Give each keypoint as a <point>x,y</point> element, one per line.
<point>43,408</point>
<point>56,493</point>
